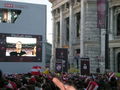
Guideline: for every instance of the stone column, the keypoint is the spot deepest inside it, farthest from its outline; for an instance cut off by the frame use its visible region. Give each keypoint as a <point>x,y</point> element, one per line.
<point>103,32</point>
<point>112,62</point>
<point>71,33</point>
<point>111,38</point>
<point>52,62</point>
<point>111,23</point>
<point>61,27</point>
<point>82,21</point>
<point>56,36</point>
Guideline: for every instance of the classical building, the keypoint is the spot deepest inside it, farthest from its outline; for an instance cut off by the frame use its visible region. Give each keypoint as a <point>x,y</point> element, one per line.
<point>75,28</point>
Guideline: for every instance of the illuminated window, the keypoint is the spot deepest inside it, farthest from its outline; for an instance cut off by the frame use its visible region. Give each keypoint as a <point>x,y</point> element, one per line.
<point>9,15</point>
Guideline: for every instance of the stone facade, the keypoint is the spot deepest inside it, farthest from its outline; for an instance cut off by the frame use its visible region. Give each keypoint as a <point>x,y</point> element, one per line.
<point>75,28</point>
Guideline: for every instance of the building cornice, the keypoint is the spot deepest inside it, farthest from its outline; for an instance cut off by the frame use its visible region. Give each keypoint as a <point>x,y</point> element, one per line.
<point>51,1</point>
<point>114,43</point>
<point>114,3</point>
<point>57,3</point>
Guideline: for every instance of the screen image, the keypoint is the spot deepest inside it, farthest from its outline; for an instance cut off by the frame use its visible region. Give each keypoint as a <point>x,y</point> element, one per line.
<point>20,48</point>
<point>9,15</point>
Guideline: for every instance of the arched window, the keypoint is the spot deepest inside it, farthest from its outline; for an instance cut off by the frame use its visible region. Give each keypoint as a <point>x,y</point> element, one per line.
<point>118,62</point>
<point>118,25</point>
<point>78,24</point>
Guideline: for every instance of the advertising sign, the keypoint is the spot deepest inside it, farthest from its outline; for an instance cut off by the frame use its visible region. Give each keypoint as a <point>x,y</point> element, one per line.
<point>62,57</point>
<point>58,67</point>
<point>85,66</point>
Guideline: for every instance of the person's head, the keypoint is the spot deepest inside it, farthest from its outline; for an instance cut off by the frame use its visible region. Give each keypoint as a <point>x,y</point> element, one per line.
<point>19,45</point>
<point>34,50</point>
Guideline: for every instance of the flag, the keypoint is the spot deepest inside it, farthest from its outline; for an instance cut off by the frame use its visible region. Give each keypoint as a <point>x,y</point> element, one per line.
<point>11,85</point>
<point>111,74</point>
<point>35,70</point>
<point>92,86</point>
<point>32,80</point>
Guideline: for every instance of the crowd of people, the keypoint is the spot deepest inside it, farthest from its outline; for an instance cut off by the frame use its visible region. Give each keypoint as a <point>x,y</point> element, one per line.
<point>55,81</point>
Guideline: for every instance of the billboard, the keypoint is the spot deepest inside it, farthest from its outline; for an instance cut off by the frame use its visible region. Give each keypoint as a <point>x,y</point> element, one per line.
<point>62,58</point>
<point>58,67</point>
<point>85,66</point>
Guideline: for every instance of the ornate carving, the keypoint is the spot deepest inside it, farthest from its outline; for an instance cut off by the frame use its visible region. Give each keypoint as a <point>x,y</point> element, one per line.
<point>114,0</point>
<point>56,1</point>
<point>114,3</point>
<point>51,1</point>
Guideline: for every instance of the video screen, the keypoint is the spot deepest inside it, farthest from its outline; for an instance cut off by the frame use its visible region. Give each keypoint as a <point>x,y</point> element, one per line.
<point>20,48</point>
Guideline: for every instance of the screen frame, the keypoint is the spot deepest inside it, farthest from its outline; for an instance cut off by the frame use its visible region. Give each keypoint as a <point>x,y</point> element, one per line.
<point>3,46</point>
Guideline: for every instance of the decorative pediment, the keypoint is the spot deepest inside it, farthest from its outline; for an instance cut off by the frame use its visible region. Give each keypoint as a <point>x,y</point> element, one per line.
<point>114,3</point>
<point>55,1</point>
<point>51,1</point>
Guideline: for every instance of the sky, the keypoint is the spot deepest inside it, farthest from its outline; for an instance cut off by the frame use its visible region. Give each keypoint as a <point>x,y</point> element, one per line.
<point>49,15</point>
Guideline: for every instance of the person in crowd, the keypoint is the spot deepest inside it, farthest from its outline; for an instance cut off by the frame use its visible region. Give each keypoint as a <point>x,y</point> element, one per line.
<point>57,82</point>
<point>0,73</point>
<point>61,85</point>
<point>113,83</point>
<point>18,51</point>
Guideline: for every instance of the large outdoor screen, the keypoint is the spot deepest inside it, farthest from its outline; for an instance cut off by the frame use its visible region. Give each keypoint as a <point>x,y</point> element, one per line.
<point>20,48</point>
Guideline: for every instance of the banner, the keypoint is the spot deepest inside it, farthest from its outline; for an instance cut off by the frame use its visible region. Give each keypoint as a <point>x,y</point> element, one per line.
<point>101,13</point>
<point>58,67</point>
<point>85,66</point>
<point>62,57</point>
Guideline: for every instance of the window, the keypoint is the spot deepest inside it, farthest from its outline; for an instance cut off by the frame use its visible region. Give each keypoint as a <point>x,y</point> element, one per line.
<point>78,0</point>
<point>78,24</point>
<point>67,29</point>
<point>77,51</point>
<point>118,62</point>
<point>9,15</point>
<point>67,5</point>
<point>58,32</point>
<point>58,10</point>
<point>118,24</point>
